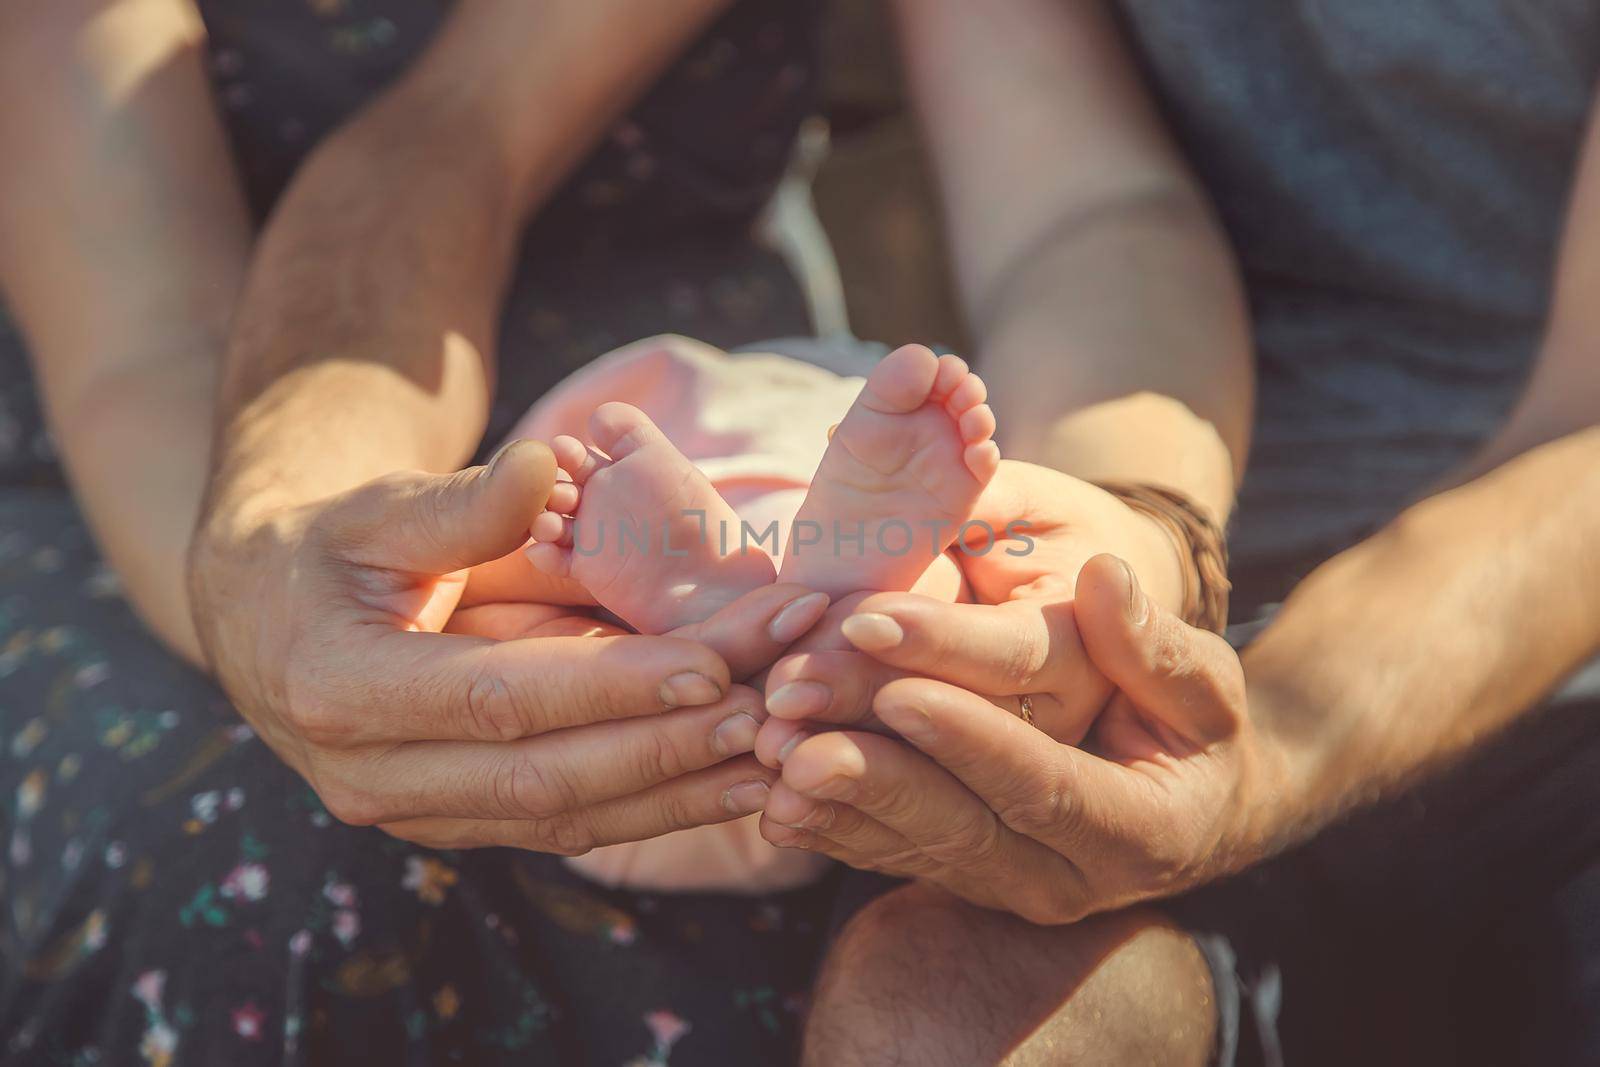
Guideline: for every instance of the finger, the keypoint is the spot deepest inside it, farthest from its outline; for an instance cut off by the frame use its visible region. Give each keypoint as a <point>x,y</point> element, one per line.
<point>874,847</point>
<point>513,577</point>
<point>894,786</point>
<point>776,739</point>
<point>402,686</point>
<point>827,687</point>
<point>544,776</point>
<point>1038,787</point>
<point>435,524</point>
<point>793,820</point>
<point>1022,646</point>
<point>755,629</point>
<point>1189,678</point>
<point>505,622</point>
<point>729,790</point>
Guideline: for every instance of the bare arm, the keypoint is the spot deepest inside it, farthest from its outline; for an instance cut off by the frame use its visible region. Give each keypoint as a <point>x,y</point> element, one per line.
<point>123,243</point>
<point>363,341</point>
<point>1110,320</point>
<point>1402,651</point>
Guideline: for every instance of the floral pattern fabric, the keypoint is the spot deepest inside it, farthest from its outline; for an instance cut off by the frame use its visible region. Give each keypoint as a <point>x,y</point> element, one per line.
<point>170,893</point>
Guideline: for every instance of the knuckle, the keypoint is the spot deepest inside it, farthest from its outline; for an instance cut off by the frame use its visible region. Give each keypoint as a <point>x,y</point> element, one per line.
<point>352,805</point>
<point>1022,659</point>
<point>563,835</point>
<point>1169,652</point>
<point>676,812</point>
<point>492,706</point>
<point>320,722</point>
<point>975,844</point>
<point>1047,808</point>
<point>657,757</point>
<point>529,787</point>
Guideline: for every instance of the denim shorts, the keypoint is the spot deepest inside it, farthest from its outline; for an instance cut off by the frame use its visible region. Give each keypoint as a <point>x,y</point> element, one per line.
<point>1457,922</point>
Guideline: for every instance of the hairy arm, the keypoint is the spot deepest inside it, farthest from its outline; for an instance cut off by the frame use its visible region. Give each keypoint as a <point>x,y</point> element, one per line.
<point>123,244</point>
<point>1110,321</point>
<point>364,337</point>
<point>1404,651</point>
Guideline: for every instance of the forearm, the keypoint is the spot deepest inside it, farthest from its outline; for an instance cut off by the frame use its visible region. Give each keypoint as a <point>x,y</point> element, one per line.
<point>1398,655</point>
<point>1111,325</point>
<point>123,291</point>
<point>365,337</point>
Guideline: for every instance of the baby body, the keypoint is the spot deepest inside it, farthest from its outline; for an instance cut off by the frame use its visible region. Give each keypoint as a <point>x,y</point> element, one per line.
<point>696,477</point>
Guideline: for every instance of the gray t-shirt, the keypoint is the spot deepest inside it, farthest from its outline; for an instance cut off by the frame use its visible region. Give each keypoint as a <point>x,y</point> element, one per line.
<point>1394,174</point>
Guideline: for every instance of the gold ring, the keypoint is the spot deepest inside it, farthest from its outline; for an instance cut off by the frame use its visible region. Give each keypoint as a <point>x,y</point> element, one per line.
<point>1027,708</point>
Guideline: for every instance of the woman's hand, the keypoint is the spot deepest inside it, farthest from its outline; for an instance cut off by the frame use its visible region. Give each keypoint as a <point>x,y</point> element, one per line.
<point>323,624</point>
<point>1168,790</point>
<point>1025,583</point>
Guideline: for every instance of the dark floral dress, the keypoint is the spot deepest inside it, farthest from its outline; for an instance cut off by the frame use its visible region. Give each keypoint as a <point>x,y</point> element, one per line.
<point>169,892</point>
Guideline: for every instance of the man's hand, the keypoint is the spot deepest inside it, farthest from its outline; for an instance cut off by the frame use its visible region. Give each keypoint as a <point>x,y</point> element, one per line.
<point>1166,792</point>
<point>323,623</point>
<point>1021,640</point>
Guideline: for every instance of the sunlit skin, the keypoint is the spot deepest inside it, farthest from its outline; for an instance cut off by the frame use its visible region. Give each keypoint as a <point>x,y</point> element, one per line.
<point>1113,335</point>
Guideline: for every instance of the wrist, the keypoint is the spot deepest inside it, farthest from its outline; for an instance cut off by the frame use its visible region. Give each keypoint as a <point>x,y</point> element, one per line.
<point>1289,754</point>
<point>1156,556</point>
<point>1196,560</point>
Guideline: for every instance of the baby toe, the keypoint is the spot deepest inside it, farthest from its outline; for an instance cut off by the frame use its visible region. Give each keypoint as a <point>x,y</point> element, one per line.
<point>967,394</point>
<point>902,380</point>
<point>550,528</point>
<point>564,498</point>
<point>952,372</point>
<point>619,429</point>
<point>976,424</point>
<point>982,459</point>
<point>576,458</point>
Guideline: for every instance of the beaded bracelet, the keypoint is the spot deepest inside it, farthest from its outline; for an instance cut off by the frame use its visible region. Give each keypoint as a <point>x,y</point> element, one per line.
<point>1202,548</point>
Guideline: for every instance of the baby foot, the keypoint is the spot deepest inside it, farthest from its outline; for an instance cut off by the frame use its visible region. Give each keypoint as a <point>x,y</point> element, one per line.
<point>641,528</point>
<point>902,471</point>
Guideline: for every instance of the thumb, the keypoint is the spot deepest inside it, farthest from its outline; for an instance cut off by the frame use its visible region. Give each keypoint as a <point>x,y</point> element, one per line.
<point>436,524</point>
<point>1189,678</point>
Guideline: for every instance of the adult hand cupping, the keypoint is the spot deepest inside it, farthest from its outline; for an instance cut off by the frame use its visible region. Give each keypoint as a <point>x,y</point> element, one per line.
<point>1162,794</point>
<point>1166,792</point>
<point>1020,641</point>
<point>323,623</point>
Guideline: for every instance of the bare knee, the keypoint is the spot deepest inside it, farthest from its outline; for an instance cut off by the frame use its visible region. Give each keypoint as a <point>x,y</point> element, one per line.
<point>920,977</point>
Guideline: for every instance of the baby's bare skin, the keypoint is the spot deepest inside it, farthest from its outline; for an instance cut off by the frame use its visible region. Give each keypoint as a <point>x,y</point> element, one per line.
<point>653,541</point>
<point>913,450</point>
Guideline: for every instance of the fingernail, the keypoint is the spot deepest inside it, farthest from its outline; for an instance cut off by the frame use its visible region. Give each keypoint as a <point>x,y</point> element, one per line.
<point>689,690</point>
<point>735,735</point>
<point>797,617</point>
<point>872,632</point>
<point>796,700</point>
<point>910,721</point>
<point>745,798</point>
<point>494,460</point>
<point>820,817</point>
<point>789,746</point>
<point>836,788</point>
<point>1138,604</point>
